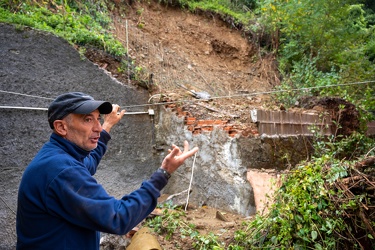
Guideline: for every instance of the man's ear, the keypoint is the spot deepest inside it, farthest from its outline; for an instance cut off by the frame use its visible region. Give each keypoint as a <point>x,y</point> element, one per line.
<point>60,127</point>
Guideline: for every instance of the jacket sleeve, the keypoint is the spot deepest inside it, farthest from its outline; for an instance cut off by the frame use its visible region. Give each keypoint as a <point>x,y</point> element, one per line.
<point>75,196</point>
<point>93,159</point>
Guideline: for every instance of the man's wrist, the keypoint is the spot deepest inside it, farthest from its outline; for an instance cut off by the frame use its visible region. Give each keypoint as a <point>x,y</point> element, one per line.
<point>164,172</point>
<point>107,127</point>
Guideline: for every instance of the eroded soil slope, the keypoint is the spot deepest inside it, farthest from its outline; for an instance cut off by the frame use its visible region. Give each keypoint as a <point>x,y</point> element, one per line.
<point>175,51</point>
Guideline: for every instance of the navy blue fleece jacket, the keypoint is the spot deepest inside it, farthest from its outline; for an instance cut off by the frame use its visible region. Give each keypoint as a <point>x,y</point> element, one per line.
<point>61,206</point>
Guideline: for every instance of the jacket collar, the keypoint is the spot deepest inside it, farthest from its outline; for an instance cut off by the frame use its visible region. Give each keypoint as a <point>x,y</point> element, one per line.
<point>69,147</point>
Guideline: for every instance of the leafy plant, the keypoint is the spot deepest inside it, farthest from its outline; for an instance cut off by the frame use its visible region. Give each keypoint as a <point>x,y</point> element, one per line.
<point>78,22</point>
<point>320,43</point>
<point>309,208</point>
<point>305,80</point>
<point>300,217</point>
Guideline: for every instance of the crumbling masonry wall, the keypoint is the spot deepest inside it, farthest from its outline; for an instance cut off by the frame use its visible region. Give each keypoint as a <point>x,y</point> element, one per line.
<point>225,158</point>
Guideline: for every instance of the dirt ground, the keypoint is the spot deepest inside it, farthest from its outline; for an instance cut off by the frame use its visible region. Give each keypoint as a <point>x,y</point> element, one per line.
<point>206,220</point>
<point>177,51</point>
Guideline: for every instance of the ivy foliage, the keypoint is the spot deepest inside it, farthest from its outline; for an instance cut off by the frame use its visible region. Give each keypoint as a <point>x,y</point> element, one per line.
<point>312,209</point>
<point>302,215</point>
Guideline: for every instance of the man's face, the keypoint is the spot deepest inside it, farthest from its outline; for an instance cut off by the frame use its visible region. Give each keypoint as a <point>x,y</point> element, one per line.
<point>84,130</point>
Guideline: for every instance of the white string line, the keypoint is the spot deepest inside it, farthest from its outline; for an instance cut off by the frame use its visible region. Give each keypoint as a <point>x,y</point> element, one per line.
<point>26,108</point>
<point>191,180</point>
<point>295,89</point>
<point>15,93</point>
<point>220,97</point>
<point>253,94</point>
<point>45,109</point>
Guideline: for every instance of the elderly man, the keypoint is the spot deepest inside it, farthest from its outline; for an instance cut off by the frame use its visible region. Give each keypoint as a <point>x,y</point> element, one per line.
<point>60,204</point>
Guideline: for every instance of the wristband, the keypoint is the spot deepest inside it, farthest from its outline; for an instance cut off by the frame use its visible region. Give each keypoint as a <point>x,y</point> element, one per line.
<point>166,174</point>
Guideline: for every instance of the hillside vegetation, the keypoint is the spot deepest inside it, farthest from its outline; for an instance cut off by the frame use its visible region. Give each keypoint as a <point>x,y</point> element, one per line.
<point>323,48</point>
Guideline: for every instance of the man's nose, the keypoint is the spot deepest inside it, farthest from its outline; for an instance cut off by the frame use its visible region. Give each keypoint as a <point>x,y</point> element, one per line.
<point>98,126</point>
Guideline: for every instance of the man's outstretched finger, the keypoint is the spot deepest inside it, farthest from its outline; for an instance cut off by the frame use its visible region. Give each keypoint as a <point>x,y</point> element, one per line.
<point>175,151</point>
<point>190,153</point>
<point>186,146</point>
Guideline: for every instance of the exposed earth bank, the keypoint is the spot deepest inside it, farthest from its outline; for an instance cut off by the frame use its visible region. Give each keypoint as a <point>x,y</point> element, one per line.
<point>175,50</point>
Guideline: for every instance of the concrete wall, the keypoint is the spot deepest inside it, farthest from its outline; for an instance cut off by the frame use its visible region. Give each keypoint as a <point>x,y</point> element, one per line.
<point>42,65</point>
<point>224,161</point>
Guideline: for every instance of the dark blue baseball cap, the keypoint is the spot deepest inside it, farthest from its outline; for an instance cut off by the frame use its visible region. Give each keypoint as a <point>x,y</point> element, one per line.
<point>76,103</point>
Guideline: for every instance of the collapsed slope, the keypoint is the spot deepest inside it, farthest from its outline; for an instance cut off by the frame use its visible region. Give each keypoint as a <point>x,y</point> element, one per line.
<point>174,50</point>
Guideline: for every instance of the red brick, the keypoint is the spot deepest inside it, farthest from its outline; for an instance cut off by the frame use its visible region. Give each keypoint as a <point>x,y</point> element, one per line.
<point>190,128</point>
<point>207,128</point>
<point>190,120</point>
<point>227,128</point>
<point>196,131</point>
<point>206,122</point>
<point>220,122</point>
<point>232,133</point>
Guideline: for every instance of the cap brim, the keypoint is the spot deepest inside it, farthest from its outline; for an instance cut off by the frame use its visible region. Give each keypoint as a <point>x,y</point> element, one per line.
<point>89,106</point>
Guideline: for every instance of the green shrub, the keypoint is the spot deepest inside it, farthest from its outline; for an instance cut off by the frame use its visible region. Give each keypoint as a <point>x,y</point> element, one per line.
<point>309,210</point>
<point>86,27</point>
